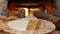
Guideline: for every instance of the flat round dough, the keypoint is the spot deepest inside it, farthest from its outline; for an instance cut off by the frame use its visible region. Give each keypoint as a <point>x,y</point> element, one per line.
<point>45,27</point>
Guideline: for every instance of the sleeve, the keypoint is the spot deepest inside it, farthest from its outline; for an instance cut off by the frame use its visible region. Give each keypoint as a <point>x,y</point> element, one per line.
<point>0,13</point>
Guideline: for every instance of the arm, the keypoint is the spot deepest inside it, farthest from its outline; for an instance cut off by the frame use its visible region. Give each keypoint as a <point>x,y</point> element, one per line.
<point>46,16</point>
<point>7,19</point>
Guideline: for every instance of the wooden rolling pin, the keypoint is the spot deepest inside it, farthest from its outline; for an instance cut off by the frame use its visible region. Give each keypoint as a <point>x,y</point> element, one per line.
<point>32,26</point>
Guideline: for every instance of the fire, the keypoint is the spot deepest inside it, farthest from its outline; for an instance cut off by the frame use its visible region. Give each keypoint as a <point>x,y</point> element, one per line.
<point>26,12</point>
<point>29,12</point>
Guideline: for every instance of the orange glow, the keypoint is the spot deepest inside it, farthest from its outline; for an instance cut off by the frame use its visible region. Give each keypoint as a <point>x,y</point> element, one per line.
<point>26,12</point>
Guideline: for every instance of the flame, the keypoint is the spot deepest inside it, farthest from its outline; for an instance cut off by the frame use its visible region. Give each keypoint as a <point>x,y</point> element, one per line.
<point>26,12</point>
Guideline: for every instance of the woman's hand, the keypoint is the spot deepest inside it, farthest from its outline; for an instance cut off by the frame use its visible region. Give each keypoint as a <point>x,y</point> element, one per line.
<point>11,18</point>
